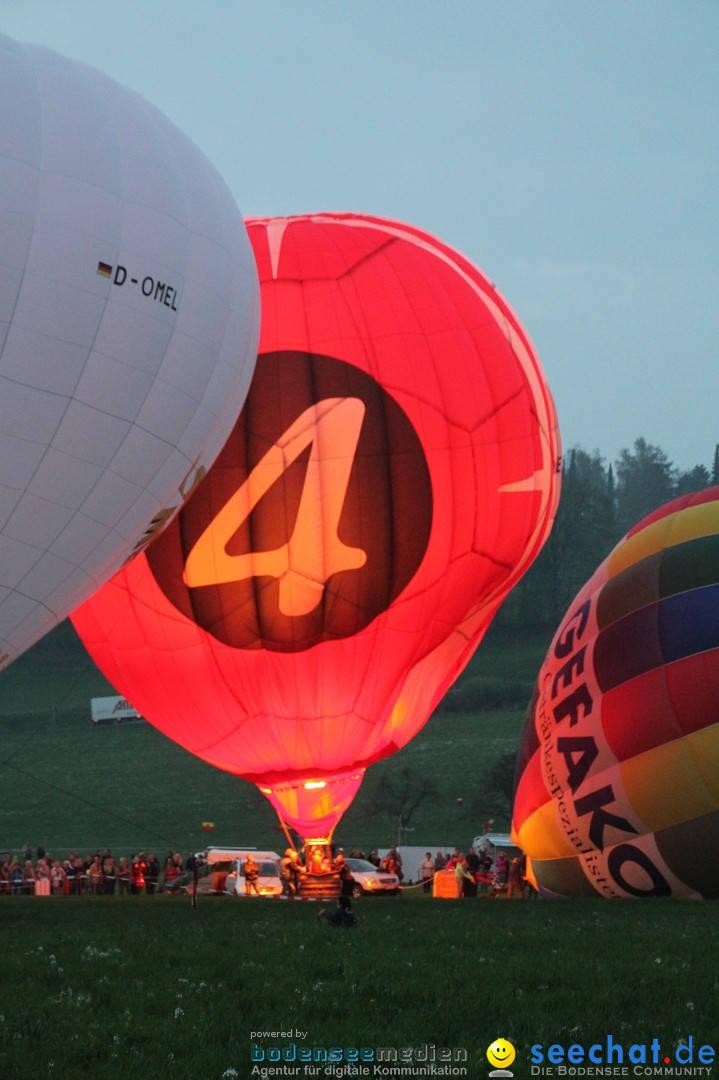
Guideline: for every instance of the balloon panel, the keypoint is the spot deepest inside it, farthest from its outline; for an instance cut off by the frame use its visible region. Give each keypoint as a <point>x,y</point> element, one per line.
<point>313,807</point>
<point>618,773</point>
<point>393,473</point>
<point>129,315</point>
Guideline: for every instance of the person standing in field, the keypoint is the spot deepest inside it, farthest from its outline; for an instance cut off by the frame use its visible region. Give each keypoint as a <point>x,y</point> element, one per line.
<point>461,875</point>
<point>347,882</point>
<point>68,884</point>
<point>396,862</point>
<point>58,878</point>
<point>472,860</point>
<point>80,877</point>
<point>426,871</point>
<point>42,878</point>
<point>290,870</point>
<point>96,876</point>
<point>28,878</point>
<point>138,873</point>
<point>514,880</point>
<point>16,873</point>
<point>123,875</point>
<point>501,867</point>
<point>392,863</point>
<point>152,874</point>
<point>5,878</point>
<point>110,877</point>
<point>252,873</point>
<point>172,868</point>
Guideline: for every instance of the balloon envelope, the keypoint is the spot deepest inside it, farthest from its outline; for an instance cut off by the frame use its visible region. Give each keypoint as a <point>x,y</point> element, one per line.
<point>129,314</point>
<point>393,473</point>
<point>618,771</point>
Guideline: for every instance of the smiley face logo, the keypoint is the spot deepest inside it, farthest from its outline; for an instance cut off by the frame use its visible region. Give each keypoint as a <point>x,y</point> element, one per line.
<point>500,1054</point>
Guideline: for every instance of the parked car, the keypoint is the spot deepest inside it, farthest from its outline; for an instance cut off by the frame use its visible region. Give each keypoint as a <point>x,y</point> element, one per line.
<point>269,882</point>
<point>368,880</point>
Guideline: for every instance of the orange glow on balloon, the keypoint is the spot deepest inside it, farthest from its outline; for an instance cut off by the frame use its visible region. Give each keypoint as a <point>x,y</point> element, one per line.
<point>392,475</point>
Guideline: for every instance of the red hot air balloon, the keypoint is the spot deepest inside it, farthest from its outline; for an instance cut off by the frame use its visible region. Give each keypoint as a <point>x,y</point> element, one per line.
<point>618,770</point>
<point>393,473</point>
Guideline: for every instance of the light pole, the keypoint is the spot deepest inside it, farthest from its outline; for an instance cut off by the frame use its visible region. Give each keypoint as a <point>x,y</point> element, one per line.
<point>402,832</point>
<point>459,802</point>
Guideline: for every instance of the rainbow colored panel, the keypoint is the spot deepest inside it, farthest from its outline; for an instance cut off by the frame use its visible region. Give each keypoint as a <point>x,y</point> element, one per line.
<point>617,787</point>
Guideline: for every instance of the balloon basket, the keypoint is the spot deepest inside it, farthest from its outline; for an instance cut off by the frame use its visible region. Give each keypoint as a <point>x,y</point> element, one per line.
<point>320,886</point>
<point>444,885</point>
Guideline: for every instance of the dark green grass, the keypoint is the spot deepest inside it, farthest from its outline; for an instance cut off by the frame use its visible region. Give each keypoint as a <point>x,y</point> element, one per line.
<point>66,783</point>
<point>56,677</point>
<point>120,986</point>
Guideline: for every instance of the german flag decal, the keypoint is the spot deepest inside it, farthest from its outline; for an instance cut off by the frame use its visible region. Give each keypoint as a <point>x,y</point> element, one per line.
<point>104,269</point>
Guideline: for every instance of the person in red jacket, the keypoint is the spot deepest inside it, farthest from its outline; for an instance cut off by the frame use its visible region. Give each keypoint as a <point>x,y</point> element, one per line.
<point>139,866</point>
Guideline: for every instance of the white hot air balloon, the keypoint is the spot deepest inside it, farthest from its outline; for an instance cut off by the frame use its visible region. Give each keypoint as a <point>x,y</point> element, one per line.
<point>129,317</point>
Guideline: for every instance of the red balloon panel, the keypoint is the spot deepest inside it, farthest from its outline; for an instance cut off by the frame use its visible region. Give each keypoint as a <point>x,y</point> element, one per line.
<point>393,472</point>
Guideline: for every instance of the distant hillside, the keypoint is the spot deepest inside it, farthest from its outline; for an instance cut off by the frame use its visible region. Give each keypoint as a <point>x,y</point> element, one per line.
<point>65,782</point>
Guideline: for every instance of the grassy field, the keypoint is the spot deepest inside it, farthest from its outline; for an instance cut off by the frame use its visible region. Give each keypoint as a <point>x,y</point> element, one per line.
<point>67,783</point>
<point>112,986</point>
<point>115,986</point>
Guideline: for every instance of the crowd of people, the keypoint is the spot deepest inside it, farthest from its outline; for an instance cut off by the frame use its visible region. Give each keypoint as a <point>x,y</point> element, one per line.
<point>98,874</point>
<point>102,874</point>
<point>477,872</point>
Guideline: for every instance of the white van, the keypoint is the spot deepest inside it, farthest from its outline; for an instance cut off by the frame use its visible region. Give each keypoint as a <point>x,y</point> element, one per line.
<point>269,882</point>
<point>493,843</point>
<point>214,865</point>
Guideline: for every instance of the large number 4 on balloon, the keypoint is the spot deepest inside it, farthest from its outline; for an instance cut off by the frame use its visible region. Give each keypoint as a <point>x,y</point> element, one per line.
<point>314,551</point>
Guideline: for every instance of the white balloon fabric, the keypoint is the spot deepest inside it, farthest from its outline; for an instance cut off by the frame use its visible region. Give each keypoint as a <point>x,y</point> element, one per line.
<point>129,318</point>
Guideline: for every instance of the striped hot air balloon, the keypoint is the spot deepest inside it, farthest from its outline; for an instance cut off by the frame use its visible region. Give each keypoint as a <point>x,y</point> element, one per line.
<point>618,773</point>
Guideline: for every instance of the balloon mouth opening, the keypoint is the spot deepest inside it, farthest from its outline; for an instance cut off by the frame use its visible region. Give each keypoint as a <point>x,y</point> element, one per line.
<point>313,805</point>
<point>316,783</point>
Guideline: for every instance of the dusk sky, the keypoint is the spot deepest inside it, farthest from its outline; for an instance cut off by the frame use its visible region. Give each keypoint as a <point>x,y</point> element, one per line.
<point>570,149</point>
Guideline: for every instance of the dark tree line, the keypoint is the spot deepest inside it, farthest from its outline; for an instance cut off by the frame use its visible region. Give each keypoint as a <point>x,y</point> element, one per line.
<point>598,505</point>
